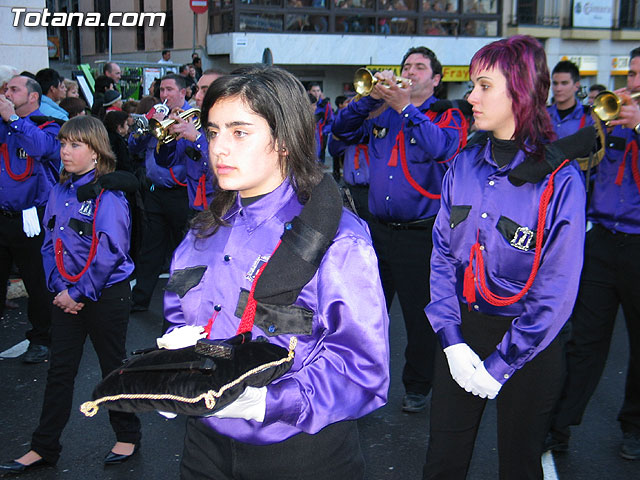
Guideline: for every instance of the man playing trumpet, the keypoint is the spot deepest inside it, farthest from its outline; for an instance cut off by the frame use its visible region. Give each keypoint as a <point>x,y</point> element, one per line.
<point>192,144</point>
<point>30,157</point>
<point>166,203</point>
<point>409,145</point>
<point>610,278</point>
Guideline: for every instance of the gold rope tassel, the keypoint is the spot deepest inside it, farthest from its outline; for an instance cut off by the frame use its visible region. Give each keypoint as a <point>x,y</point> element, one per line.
<point>210,398</point>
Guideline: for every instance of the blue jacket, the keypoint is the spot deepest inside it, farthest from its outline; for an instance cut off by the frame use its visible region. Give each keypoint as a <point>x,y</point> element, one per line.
<point>29,162</point>
<point>72,222</point>
<point>403,188</point>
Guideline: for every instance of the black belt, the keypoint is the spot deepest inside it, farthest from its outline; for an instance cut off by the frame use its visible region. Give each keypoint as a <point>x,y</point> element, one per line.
<point>422,224</point>
<point>165,189</point>
<point>10,213</point>
<point>616,233</point>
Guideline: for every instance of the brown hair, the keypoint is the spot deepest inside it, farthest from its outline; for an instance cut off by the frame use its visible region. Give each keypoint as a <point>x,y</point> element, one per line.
<point>91,131</point>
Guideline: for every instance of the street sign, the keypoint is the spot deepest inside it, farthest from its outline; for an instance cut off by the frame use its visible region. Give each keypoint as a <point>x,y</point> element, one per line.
<point>198,6</point>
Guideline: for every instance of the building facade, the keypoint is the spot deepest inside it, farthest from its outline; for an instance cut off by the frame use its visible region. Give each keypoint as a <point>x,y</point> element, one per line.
<point>327,40</point>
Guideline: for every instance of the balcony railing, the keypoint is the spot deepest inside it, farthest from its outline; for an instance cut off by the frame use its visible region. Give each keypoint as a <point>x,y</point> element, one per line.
<point>524,19</point>
<point>382,17</point>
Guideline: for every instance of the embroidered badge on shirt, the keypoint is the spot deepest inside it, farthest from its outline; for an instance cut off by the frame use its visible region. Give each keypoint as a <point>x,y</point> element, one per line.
<point>522,238</point>
<point>413,141</point>
<point>86,208</point>
<point>379,132</point>
<point>21,154</point>
<point>253,271</point>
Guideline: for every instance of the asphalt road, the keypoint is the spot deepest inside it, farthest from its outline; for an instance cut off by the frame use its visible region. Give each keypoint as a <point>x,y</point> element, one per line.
<point>394,443</point>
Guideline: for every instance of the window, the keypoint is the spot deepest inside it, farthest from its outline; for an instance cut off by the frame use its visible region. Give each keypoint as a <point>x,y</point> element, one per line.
<point>101,33</point>
<point>167,30</point>
<point>140,29</point>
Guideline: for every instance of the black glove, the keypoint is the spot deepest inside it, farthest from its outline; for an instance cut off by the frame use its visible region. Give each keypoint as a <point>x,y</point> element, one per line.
<point>577,145</point>
<point>440,106</point>
<point>118,180</point>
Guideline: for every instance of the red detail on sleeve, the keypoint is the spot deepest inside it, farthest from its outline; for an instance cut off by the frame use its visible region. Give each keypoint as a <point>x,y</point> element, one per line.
<point>362,148</point>
<point>175,179</point>
<point>201,193</point>
<point>633,147</point>
<point>407,174</point>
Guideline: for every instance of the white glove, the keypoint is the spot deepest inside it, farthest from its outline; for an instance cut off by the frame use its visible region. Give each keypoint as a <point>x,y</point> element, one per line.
<point>250,405</point>
<point>462,362</point>
<point>181,337</point>
<point>169,415</point>
<point>483,384</point>
<point>31,222</point>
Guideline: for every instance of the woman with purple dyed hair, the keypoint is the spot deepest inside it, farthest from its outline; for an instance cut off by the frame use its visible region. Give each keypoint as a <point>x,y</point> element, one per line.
<point>507,255</point>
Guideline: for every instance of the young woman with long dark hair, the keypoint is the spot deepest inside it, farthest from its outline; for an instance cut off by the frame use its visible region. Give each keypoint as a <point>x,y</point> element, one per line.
<point>302,426</point>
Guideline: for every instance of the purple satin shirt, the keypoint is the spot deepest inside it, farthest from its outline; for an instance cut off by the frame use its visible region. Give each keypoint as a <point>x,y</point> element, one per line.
<point>391,197</point>
<point>341,370</point>
<point>23,137</point>
<point>67,218</point>
<point>616,207</point>
<point>479,203</point>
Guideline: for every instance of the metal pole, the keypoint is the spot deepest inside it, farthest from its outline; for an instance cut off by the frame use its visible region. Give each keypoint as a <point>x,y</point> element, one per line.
<point>109,43</point>
<point>195,24</point>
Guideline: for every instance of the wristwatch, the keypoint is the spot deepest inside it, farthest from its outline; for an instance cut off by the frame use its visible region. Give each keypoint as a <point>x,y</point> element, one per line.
<point>13,118</point>
<point>637,129</point>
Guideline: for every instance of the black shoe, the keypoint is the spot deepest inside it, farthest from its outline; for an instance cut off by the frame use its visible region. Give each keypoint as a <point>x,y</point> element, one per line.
<point>414,402</point>
<point>555,444</point>
<point>116,458</point>
<point>36,354</point>
<point>135,308</point>
<point>16,468</point>
<point>630,449</point>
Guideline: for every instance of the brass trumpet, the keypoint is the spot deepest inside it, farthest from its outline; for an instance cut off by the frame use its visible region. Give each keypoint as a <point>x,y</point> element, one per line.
<point>160,130</point>
<point>364,81</point>
<point>607,105</point>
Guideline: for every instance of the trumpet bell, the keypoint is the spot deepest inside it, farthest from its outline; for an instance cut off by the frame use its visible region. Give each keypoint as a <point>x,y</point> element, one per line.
<point>607,105</point>
<point>364,81</point>
<point>160,130</point>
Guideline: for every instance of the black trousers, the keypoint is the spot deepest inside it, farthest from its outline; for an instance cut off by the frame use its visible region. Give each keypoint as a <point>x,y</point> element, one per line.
<point>105,322</point>
<point>16,247</point>
<point>331,454</point>
<point>167,211</point>
<point>610,278</point>
<point>360,195</point>
<point>404,263</point>
<point>524,405</point>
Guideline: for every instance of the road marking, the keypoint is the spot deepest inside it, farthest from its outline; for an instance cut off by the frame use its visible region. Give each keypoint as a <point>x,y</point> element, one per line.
<point>16,350</point>
<point>549,466</point>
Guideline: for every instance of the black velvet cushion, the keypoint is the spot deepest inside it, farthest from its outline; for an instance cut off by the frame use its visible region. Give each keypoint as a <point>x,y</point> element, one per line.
<point>185,382</point>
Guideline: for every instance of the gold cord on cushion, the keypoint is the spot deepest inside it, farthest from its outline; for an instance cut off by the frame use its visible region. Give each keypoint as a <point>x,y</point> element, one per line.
<point>210,398</point>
